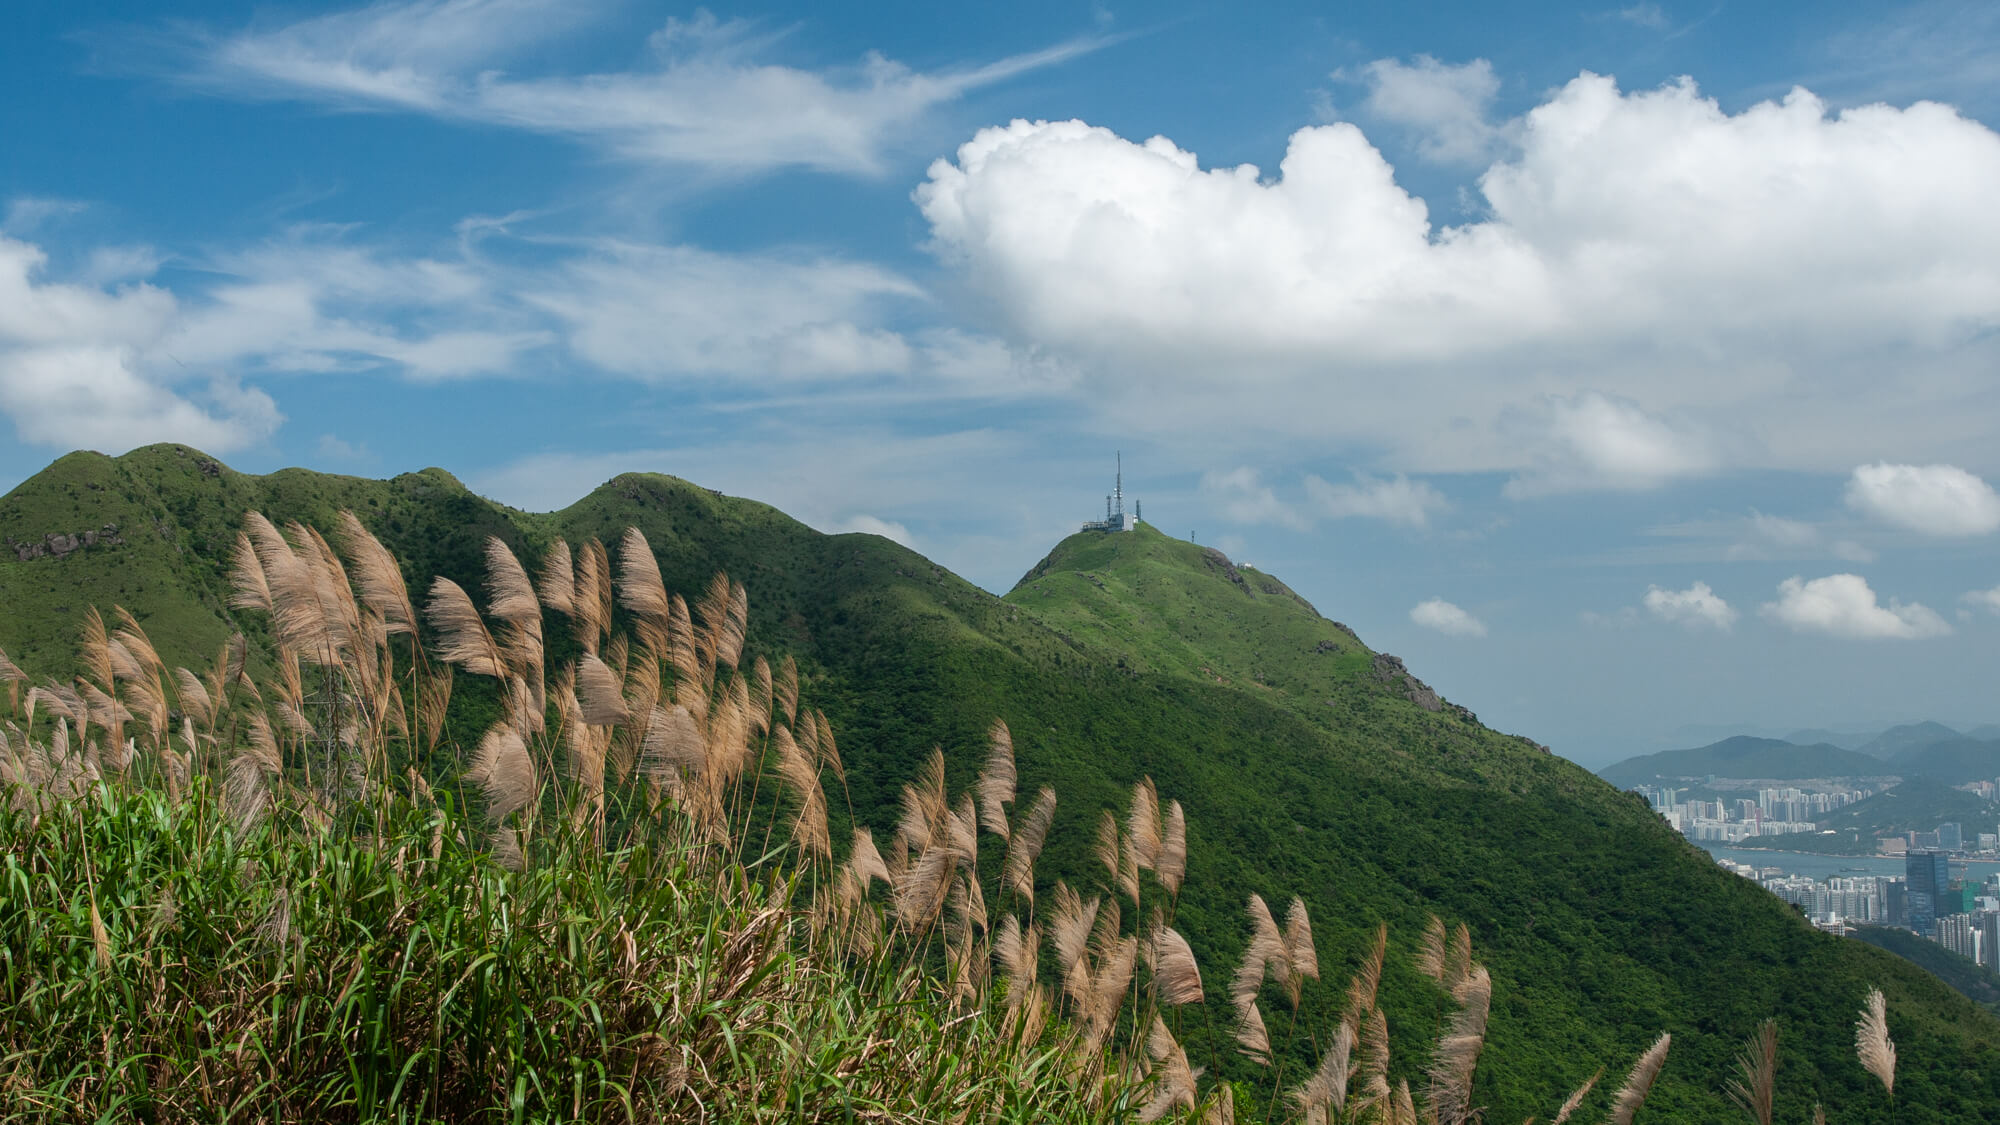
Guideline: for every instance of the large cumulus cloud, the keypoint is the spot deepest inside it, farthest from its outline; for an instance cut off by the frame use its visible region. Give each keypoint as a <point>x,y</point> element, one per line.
<point>1768,287</point>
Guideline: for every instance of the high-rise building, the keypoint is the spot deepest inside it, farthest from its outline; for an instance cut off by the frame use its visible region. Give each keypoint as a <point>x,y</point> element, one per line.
<point>1896,903</point>
<point>1950,838</point>
<point>1989,939</point>
<point>1957,933</point>
<point>1929,876</point>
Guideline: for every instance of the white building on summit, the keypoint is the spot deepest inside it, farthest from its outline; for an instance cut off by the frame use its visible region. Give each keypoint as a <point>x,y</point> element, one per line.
<point>1115,516</point>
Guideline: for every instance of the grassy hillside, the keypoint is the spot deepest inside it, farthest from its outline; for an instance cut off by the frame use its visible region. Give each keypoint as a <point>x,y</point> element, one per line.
<point>1744,757</point>
<point>1916,804</point>
<point>1974,981</point>
<point>1309,765</point>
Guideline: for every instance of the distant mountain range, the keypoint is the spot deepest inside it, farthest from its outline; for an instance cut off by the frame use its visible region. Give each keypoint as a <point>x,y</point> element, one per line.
<point>1926,749</point>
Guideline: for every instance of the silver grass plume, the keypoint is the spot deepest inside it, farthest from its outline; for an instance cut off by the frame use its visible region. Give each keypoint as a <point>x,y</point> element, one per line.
<point>1024,845</point>
<point>1327,1086</point>
<point>640,588</point>
<point>1368,977</point>
<point>599,692</point>
<point>1176,974</point>
<point>1142,824</point>
<point>462,636</point>
<point>1872,1044</point>
<point>1173,850</point>
<point>1106,849</point>
<point>865,861</point>
<point>1301,958</point>
<point>1757,1066</point>
<point>997,781</point>
<point>557,586</point>
<point>1431,953</point>
<point>504,772</point>
<point>1173,1078</point>
<point>1639,1083</point>
<point>1576,1098</point>
<point>379,577</point>
<point>786,687</point>
<point>1457,1053</point>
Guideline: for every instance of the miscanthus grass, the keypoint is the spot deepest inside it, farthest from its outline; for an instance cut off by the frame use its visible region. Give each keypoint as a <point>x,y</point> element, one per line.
<point>238,897</point>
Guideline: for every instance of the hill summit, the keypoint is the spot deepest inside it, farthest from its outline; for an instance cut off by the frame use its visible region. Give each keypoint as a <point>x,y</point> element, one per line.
<point>1310,764</point>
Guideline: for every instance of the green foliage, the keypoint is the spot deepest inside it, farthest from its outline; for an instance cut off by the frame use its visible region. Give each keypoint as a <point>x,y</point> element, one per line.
<point>1307,765</point>
<point>1969,978</point>
<point>294,974</point>
<point>1745,757</point>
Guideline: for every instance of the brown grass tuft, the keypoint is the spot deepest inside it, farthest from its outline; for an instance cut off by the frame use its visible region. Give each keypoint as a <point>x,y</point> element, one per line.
<point>1176,975</point>
<point>1576,1098</point>
<point>1758,1065</point>
<point>997,781</point>
<point>1457,1053</point>
<point>462,637</point>
<point>1639,1083</point>
<point>1173,850</point>
<point>1024,846</point>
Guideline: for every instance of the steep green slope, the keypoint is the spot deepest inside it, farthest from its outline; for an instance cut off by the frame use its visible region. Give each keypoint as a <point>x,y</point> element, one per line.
<point>1308,764</point>
<point>1916,804</point>
<point>1971,979</point>
<point>1744,757</point>
<point>1954,760</point>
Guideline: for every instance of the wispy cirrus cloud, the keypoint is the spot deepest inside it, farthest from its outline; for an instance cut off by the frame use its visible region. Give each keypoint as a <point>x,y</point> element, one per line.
<point>704,97</point>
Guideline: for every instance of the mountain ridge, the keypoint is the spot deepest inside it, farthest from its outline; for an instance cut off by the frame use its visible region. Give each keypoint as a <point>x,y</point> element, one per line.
<point>1331,773</point>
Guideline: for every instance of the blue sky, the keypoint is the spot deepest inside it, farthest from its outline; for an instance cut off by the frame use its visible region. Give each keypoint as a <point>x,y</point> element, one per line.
<point>1622,368</point>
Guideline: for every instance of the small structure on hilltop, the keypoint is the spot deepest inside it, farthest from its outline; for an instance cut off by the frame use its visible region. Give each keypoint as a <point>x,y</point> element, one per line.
<point>1115,516</point>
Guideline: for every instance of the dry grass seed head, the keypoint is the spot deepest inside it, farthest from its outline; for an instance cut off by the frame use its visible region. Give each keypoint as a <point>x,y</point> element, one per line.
<point>1457,1053</point>
<point>504,771</point>
<point>1265,953</point>
<point>640,587</point>
<point>1432,951</point>
<point>1872,1045</point>
<point>1252,1040</point>
<point>1107,847</point>
<point>1327,1086</point>
<point>1639,1083</point>
<point>1576,1098</point>
<point>997,780</point>
<point>1024,845</point>
<point>557,584</point>
<point>461,634</point>
<point>599,692</point>
<point>1172,867</point>
<point>1142,824</point>
<point>1176,974</point>
<point>377,574</point>
<point>786,687</point>
<point>1757,1066</point>
<point>1368,977</point>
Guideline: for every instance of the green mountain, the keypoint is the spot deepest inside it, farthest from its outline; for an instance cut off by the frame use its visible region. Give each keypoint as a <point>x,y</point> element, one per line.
<point>1901,740</point>
<point>1956,759</point>
<point>1308,763</point>
<point>1743,757</point>
<point>1915,804</point>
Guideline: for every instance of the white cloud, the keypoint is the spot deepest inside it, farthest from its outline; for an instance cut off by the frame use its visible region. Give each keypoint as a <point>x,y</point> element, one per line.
<point>1985,599</point>
<point>79,368</point>
<point>1592,442</point>
<point>1697,607</point>
<point>658,312</point>
<point>1698,289</point>
<point>704,101</point>
<point>1940,500</point>
<point>1842,605</point>
<point>1396,499</point>
<point>1242,496</point>
<point>1447,618</point>
<point>1444,106</point>
<point>1646,15</point>
<point>887,529</point>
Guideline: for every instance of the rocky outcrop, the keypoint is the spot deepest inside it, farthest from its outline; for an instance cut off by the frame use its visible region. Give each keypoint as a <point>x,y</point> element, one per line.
<point>57,544</point>
<point>1390,670</point>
